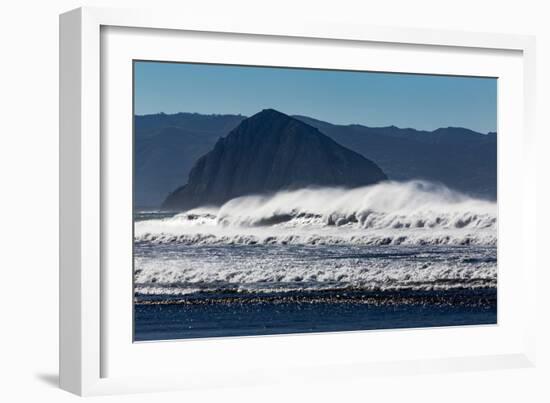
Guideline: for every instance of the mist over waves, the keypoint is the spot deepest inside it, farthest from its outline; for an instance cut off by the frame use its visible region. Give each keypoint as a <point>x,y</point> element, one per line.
<point>388,213</point>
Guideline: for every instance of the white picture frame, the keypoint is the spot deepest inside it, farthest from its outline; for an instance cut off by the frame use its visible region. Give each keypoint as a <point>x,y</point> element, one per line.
<point>94,360</point>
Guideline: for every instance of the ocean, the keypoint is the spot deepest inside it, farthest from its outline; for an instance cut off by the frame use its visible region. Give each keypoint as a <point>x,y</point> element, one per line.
<point>388,256</point>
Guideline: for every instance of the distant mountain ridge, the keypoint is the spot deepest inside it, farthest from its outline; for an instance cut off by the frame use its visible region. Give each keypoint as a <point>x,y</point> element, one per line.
<point>268,152</point>
<point>167,146</point>
<point>460,158</point>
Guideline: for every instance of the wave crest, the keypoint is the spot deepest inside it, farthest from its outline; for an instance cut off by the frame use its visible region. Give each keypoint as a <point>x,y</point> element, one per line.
<point>414,212</point>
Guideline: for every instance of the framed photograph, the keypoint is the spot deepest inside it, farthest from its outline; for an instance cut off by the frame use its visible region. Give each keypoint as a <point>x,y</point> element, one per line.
<point>243,202</point>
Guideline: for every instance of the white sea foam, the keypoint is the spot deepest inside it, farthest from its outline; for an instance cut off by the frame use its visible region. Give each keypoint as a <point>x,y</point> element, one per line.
<point>316,241</point>
<point>390,213</point>
<point>278,269</point>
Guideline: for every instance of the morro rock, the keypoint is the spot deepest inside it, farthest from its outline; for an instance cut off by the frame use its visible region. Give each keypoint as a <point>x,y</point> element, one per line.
<point>268,152</point>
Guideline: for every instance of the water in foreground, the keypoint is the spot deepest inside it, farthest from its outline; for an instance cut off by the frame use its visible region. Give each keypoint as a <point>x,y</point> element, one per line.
<point>248,315</point>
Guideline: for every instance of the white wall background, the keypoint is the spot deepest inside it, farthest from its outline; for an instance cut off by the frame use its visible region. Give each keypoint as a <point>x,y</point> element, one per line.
<point>29,201</point>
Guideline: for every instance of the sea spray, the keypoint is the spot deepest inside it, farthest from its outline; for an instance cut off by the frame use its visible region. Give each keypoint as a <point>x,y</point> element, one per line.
<point>389,213</point>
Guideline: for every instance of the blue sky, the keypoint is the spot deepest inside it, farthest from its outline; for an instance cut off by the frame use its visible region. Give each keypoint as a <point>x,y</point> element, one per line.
<point>422,102</point>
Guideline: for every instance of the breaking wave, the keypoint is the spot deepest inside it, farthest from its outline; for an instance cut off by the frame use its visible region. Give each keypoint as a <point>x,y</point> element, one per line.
<point>246,269</point>
<point>389,213</point>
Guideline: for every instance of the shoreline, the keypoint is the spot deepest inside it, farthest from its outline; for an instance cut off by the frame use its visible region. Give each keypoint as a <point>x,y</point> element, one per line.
<point>485,296</point>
